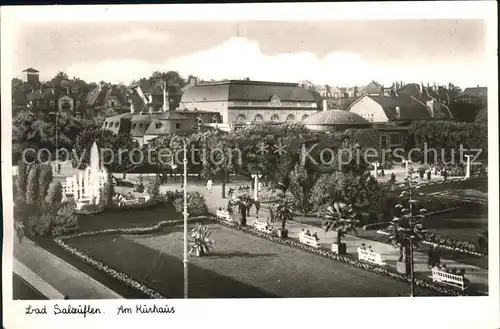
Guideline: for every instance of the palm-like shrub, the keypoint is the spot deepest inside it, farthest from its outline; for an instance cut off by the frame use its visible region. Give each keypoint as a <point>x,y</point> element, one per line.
<point>406,229</point>
<point>153,188</point>
<point>200,243</point>
<point>21,179</point>
<point>282,211</point>
<point>342,218</point>
<point>196,205</point>
<point>54,194</point>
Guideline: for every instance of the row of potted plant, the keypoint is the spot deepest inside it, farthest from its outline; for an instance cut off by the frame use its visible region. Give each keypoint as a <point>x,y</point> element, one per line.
<point>117,275</point>
<point>343,258</point>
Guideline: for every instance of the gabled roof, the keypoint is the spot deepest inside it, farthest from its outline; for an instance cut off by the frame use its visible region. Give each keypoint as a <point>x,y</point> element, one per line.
<point>476,92</point>
<point>409,109</point>
<point>372,88</point>
<point>46,93</point>
<point>100,94</point>
<point>149,87</point>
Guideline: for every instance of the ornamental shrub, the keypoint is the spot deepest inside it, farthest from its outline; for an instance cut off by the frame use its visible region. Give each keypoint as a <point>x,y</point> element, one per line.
<point>139,186</point>
<point>32,185</point>
<point>45,179</point>
<point>21,179</point>
<point>43,224</point>
<point>108,191</point>
<point>66,220</point>
<point>196,205</point>
<point>54,194</point>
<point>153,189</point>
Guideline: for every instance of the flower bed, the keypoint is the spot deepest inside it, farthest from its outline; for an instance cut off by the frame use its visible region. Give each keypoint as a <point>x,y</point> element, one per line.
<point>347,259</point>
<point>447,243</point>
<point>117,275</point>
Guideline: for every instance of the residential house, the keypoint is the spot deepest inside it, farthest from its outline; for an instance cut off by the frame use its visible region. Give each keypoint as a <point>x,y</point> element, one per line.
<point>156,96</point>
<point>474,95</point>
<point>391,115</point>
<point>51,100</point>
<point>106,99</point>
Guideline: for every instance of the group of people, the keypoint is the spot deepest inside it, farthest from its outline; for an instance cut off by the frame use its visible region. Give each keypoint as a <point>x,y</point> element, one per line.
<point>241,189</point>
<point>434,258</point>
<point>308,233</point>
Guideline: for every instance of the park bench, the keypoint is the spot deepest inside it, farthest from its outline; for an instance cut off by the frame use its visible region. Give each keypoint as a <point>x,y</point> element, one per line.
<point>451,279</point>
<point>309,240</point>
<point>224,215</point>
<point>370,256</point>
<point>262,226</point>
<point>130,201</point>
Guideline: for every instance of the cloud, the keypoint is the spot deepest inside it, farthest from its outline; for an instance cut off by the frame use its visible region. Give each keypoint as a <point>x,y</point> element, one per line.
<point>237,58</point>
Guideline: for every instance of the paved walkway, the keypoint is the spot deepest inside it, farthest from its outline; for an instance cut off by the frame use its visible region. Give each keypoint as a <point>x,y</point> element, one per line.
<point>478,277</point>
<point>53,277</point>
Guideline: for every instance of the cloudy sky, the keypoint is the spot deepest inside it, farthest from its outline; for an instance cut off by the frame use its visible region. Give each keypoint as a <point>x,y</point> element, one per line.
<point>330,52</point>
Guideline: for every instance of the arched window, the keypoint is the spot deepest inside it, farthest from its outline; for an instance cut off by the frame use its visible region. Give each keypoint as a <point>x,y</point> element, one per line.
<point>258,118</point>
<point>241,118</point>
<point>275,118</point>
<point>305,116</point>
<point>290,117</point>
<point>105,124</point>
<point>116,124</point>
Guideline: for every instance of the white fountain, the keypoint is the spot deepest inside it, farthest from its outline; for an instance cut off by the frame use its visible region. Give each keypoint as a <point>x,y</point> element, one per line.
<point>86,189</point>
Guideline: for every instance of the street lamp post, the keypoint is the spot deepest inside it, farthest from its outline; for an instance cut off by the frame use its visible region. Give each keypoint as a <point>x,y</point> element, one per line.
<point>406,162</point>
<point>467,169</point>
<point>256,178</point>
<point>185,261</point>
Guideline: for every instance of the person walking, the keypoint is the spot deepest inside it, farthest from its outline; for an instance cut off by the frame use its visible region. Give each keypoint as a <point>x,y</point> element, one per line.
<point>209,186</point>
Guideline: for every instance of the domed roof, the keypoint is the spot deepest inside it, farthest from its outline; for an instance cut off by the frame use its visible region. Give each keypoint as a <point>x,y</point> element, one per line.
<point>335,117</point>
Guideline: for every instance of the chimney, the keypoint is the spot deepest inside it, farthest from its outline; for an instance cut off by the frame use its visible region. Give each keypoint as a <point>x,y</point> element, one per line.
<point>421,88</point>
<point>325,105</point>
<point>398,112</point>
<point>435,87</point>
<point>166,106</point>
<point>53,91</point>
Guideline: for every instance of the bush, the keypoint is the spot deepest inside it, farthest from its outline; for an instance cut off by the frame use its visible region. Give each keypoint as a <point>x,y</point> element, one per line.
<point>54,194</point>
<point>196,205</point>
<point>42,225</point>
<point>153,189</point>
<point>108,191</point>
<point>66,220</point>
<point>32,185</point>
<point>45,179</point>
<point>171,196</point>
<point>139,186</point>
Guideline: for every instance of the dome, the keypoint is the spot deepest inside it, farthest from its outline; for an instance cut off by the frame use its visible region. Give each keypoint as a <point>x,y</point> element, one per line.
<point>335,117</point>
<point>334,120</point>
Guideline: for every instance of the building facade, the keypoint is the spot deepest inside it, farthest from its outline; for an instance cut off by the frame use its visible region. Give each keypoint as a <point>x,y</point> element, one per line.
<point>242,102</point>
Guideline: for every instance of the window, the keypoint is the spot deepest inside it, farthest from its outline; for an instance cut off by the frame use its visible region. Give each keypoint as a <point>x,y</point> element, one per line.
<point>133,126</point>
<point>290,117</point>
<point>258,118</point>
<point>275,118</point>
<point>140,125</point>
<point>117,124</point>
<point>113,103</point>
<point>241,118</point>
<point>52,103</point>
<point>105,124</point>
<point>383,142</point>
<point>177,126</point>
<point>305,116</point>
<point>158,125</point>
<point>395,139</point>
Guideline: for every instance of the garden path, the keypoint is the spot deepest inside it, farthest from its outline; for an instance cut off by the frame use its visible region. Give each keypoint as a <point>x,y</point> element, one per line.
<point>52,275</point>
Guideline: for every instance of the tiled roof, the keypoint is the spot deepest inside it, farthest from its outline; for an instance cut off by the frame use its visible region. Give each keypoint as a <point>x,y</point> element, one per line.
<point>101,93</point>
<point>372,88</point>
<point>476,92</point>
<point>409,108</point>
<point>245,90</point>
<point>171,115</point>
<point>149,87</point>
<point>335,117</point>
<point>46,93</point>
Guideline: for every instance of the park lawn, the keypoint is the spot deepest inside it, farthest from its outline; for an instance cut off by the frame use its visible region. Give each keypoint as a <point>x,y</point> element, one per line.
<point>241,266</point>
